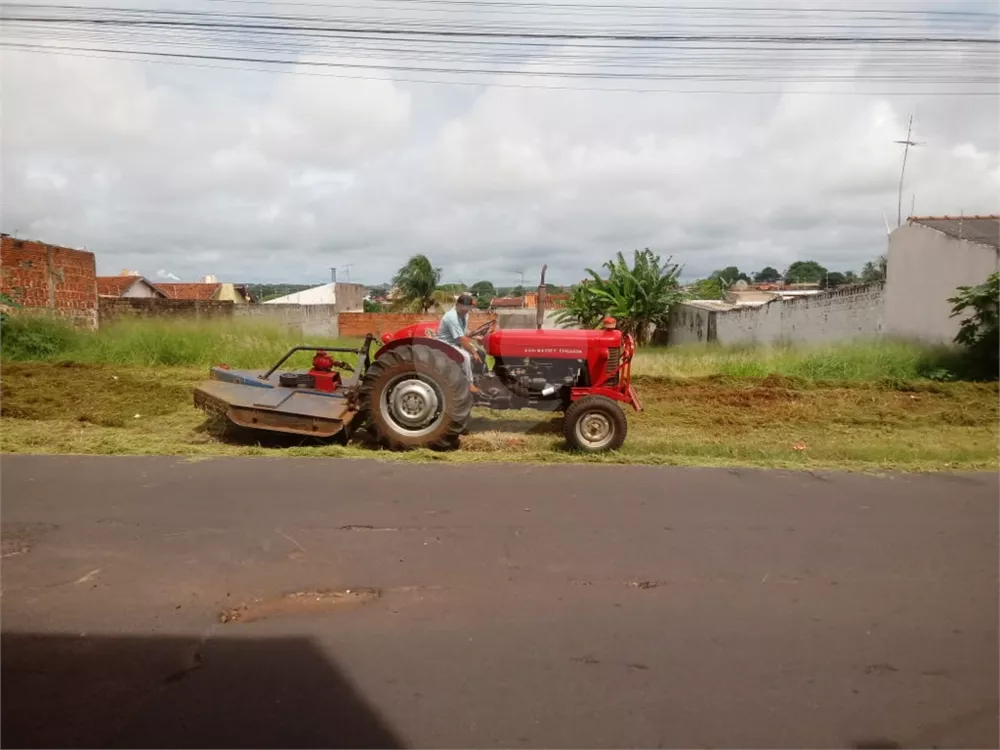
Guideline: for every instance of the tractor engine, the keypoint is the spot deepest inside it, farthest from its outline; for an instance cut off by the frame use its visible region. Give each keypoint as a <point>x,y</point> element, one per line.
<point>539,378</point>
<point>538,367</point>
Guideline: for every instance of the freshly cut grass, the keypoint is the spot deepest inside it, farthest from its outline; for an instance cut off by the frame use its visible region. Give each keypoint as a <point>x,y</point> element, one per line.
<point>775,421</point>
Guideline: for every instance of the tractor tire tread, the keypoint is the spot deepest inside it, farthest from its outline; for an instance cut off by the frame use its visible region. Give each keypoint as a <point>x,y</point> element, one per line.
<point>451,380</point>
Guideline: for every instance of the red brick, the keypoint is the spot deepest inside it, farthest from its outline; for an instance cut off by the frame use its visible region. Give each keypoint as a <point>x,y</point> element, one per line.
<point>37,275</point>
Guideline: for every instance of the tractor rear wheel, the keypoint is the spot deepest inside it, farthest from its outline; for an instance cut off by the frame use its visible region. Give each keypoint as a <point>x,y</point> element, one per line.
<point>416,397</point>
<point>594,424</point>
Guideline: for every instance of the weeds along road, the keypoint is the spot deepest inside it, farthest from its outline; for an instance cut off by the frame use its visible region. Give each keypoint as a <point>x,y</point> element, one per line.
<point>316,603</point>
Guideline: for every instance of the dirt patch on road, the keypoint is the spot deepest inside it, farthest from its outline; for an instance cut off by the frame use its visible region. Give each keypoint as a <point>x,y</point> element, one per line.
<point>299,603</point>
<point>19,538</point>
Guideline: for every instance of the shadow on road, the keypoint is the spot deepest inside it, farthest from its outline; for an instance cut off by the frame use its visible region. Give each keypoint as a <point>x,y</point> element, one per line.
<point>109,691</point>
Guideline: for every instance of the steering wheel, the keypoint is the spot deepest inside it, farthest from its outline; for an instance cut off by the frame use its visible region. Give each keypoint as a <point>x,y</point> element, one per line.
<point>485,328</point>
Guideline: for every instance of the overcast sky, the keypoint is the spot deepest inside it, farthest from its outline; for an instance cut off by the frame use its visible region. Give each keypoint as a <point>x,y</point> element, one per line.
<point>266,177</point>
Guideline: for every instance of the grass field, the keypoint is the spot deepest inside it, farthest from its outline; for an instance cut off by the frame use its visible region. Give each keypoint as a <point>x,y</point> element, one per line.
<point>128,390</point>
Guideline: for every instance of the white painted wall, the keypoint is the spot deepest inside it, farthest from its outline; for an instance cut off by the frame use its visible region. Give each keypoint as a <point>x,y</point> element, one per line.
<point>140,288</point>
<point>836,316</point>
<point>833,316</point>
<point>689,325</point>
<point>925,268</point>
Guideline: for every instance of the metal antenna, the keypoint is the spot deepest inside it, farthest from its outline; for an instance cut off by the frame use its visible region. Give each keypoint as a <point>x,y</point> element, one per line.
<point>347,267</point>
<point>902,172</point>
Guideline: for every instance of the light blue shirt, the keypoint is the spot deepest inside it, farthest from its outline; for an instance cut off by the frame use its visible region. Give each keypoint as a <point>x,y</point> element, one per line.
<point>452,327</point>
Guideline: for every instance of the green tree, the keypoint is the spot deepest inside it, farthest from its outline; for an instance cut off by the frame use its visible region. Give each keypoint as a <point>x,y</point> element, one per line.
<point>767,275</point>
<point>417,282</point>
<point>850,277</point>
<point>639,297</point>
<point>707,289</point>
<point>833,279</point>
<point>483,290</point>
<point>373,307</point>
<point>979,331</point>
<point>729,275</point>
<point>805,272</point>
<point>517,291</point>
<point>875,270</point>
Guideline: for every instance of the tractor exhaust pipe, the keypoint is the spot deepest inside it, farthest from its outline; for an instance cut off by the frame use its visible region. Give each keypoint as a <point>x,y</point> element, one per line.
<point>540,304</point>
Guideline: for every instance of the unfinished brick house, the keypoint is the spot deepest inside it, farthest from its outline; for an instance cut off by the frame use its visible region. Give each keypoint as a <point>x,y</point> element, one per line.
<point>58,280</point>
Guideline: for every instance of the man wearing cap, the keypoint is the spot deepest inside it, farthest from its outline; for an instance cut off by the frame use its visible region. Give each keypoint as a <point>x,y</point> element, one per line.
<point>452,331</point>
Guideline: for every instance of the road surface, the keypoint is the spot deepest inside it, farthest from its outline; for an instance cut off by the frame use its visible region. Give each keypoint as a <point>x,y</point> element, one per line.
<point>337,603</point>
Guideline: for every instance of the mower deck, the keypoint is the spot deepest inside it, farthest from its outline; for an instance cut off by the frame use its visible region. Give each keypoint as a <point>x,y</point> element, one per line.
<point>248,400</point>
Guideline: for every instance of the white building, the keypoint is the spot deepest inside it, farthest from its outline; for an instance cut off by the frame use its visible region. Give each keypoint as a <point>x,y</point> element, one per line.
<point>347,297</point>
<point>929,258</point>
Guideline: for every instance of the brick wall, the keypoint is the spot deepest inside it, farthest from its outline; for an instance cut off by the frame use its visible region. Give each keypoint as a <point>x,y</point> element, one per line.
<point>56,279</point>
<point>358,325</point>
<point>116,308</point>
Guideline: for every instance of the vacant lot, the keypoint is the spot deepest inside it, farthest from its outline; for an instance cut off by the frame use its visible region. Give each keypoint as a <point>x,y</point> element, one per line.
<point>704,420</point>
<point>127,389</point>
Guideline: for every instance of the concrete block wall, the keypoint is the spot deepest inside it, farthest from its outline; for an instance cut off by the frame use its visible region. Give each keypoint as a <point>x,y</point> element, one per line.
<point>117,308</point>
<point>358,325</point>
<point>349,297</point>
<point>58,280</point>
<point>688,325</point>
<point>842,315</point>
<point>313,321</point>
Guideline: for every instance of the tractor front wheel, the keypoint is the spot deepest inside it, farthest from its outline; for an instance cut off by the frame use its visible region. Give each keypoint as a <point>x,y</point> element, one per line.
<point>416,397</point>
<point>595,424</point>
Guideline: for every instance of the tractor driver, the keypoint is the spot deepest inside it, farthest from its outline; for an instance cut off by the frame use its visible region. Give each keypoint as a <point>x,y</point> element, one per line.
<point>452,330</point>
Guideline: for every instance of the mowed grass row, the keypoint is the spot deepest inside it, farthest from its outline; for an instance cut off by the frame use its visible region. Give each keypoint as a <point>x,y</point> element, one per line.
<point>713,420</point>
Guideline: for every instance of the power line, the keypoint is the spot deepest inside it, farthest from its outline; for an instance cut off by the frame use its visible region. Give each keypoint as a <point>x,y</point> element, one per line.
<point>505,84</point>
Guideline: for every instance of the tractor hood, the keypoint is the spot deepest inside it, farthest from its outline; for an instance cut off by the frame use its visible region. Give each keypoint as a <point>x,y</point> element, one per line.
<point>550,343</point>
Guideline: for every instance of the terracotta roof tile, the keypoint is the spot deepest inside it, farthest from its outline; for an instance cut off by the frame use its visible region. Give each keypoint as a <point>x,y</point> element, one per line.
<point>116,286</point>
<point>194,291</point>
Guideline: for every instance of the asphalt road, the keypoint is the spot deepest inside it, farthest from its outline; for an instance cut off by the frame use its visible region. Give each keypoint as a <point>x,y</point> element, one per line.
<point>386,605</point>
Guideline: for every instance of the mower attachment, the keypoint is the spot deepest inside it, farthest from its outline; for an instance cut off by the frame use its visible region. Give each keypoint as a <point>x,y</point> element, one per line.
<point>317,402</point>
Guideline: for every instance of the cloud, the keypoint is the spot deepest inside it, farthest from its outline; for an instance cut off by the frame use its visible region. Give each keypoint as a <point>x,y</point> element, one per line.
<point>166,275</point>
<point>277,177</point>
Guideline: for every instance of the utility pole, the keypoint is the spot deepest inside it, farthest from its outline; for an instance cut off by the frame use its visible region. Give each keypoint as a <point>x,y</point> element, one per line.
<point>902,172</point>
<point>333,275</point>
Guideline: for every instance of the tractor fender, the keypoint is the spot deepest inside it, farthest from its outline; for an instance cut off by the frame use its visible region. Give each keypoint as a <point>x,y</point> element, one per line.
<point>450,351</point>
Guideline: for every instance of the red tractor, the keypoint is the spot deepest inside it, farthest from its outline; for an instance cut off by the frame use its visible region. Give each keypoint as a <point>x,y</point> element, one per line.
<point>413,392</point>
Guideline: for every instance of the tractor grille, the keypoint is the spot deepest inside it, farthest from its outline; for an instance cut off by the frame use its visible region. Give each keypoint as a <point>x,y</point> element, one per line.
<point>614,359</point>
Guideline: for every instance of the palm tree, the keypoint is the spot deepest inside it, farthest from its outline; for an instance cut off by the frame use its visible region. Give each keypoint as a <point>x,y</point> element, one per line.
<point>417,282</point>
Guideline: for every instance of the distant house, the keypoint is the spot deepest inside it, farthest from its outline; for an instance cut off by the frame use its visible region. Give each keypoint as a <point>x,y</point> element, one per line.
<point>205,291</point>
<point>347,297</point>
<point>928,258</point>
<point>127,286</point>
